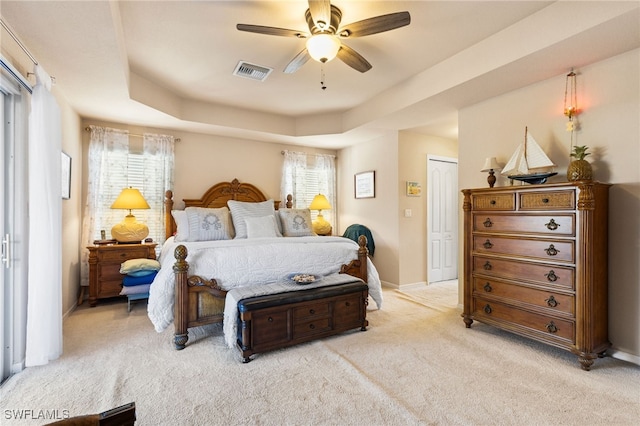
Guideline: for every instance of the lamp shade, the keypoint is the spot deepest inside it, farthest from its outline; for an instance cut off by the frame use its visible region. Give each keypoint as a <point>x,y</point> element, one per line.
<point>323,47</point>
<point>130,198</point>
<point>320,202</point>
<point>490,164</point>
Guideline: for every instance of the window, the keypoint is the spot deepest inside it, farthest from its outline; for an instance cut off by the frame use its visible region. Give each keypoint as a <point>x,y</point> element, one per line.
<point>112,166</point>
<point>306,175</point>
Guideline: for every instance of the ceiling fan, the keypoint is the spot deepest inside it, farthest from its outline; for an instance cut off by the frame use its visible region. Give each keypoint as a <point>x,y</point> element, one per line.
<point>325,34</point>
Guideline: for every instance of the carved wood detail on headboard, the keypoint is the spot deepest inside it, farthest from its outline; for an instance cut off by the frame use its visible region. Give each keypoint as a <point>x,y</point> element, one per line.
<point>216,197</point>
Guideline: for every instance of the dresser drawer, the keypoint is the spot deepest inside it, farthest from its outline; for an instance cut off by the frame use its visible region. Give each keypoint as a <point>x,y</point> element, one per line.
<point>545,299</point>
<point>540,249</point>
<point>493,201</point>
<point>311,328</point>
<point>315,310</point>
<point>545,324</point>
<point>538,224</point>
<point>109,288</point>
<point>548,200</point>
<point>270,327</point>
<point>122,255</point>
<point>551,276</point>
<point>109,272</point>
<point>348,310</point>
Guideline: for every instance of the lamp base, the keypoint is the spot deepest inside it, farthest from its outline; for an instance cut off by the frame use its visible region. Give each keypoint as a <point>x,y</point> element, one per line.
<point>321,226</point>
<point>129,231</point>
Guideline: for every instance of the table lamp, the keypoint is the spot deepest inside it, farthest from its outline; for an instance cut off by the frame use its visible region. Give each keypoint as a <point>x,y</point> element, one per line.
<point>490,165</point>
<point>130,230</point>
<point>320,225</point>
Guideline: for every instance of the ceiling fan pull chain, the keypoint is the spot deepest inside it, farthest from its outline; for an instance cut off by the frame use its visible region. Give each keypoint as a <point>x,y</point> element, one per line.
<point>323,84</point>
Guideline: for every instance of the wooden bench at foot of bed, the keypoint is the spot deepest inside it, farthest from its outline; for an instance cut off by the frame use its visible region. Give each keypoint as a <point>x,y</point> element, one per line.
<point>279,320</point>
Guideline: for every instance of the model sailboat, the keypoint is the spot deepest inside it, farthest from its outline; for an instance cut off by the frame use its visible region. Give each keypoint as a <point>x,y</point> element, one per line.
<point>528,158</point>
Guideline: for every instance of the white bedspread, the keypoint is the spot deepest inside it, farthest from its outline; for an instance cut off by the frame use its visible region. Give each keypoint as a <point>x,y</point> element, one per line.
<point>243,262</point>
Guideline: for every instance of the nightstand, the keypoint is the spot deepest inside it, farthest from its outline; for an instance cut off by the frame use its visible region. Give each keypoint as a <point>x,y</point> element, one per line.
<point>105,279</point>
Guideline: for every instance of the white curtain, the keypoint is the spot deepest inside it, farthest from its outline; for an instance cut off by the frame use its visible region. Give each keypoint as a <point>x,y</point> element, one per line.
<point>107,163</point>
<point>158,177</point>
<point>44,306</point>
<point>306,175</point>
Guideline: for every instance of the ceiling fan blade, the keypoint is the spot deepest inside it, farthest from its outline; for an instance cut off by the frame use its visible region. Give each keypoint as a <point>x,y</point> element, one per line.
<point>353,59</point>
<point>375,25</point>
<point>271,31</point>
<point>299,60</point>
<point>320,12</point>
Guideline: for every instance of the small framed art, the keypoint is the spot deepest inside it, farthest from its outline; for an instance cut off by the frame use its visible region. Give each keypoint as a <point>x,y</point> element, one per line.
<point>413,189</point>
<point>66,176</point>
<point>365,184</point>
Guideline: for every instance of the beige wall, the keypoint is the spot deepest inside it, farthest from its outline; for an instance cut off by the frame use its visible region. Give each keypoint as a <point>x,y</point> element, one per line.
<point>609,94</point>
<point>412,166</point>
<point>379,214</point>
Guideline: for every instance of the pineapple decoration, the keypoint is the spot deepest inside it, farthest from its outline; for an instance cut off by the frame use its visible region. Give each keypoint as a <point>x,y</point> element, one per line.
<point>579,169</point>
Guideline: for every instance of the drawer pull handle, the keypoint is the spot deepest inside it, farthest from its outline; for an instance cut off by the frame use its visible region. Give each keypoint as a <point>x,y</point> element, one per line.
<point>552,251</point>
<point>487,244</point>
<point>551,302</point>
<point>487,288</point>
<point>312,311</point>
<point>551,327</point>
<point>270,319</point>
<point>347,304</point>
<point>545,200</point>
<point>312,326</point>
<point>487,308</point>
<point>487,266</point>
<point>551,276</point>
<point>487,223</point>
<point>492,202</point>
<point>552,225</point>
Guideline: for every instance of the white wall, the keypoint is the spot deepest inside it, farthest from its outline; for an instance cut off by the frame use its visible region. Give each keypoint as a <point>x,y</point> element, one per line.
<point>609,95</point>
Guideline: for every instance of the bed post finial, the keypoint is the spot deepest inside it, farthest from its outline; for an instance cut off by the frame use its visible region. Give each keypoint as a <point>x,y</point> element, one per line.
<point>169,223</point>
<point>180,270</point>
<point>289,202</point>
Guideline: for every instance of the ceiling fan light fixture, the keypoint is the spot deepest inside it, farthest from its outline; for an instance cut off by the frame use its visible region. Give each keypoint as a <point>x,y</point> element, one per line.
<point>323,47</point>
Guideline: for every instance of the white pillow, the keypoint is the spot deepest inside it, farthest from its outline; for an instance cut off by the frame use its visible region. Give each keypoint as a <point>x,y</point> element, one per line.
<point>182,225</point>
<point>209,224</point>
<point>241,210</point>
<point>262,227</point>
<point>296,222</point>
<point>134,265</point>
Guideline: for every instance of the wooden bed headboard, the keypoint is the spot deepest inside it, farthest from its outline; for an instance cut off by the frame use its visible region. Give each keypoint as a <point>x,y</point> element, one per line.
<point>216,197</point>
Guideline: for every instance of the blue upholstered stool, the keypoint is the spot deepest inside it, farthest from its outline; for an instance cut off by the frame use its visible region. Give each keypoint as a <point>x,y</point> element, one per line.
<point>137,296</point>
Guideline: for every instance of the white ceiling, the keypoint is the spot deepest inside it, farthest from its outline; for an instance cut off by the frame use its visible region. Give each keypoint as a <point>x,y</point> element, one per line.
<point>169,64</point>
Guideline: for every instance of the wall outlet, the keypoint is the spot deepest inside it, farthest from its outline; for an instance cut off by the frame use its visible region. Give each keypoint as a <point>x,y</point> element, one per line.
<point>407,212</point>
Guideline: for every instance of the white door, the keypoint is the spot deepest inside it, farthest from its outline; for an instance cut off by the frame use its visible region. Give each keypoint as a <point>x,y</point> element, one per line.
<point>4,323</point>
<point>442,219</point>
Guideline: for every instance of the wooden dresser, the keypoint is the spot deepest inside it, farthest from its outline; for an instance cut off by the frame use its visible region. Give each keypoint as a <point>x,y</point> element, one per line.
<point>105,279</point>
<point>535,263</point>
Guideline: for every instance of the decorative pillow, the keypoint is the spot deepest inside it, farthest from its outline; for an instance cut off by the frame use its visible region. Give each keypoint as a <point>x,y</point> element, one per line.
<point>296,222</point>
<point>182,225</point>
<point>241,210</point>
<point>142,273</point>
<point>209,224</point>
<point>262,227</point>
<point>134,265</point>
<point>135,289</point>
<point>130,280</point>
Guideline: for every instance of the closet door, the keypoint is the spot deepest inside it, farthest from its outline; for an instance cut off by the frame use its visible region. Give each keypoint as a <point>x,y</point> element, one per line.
<point>442,219</point>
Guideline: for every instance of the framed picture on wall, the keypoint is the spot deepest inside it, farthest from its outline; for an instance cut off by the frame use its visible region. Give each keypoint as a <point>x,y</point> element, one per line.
<point>413,189</point>
<point>365,184</point>
<point>66,176</point>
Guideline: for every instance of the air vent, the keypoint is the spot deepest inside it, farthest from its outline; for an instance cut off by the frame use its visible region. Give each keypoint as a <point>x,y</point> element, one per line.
<point>252,71</point>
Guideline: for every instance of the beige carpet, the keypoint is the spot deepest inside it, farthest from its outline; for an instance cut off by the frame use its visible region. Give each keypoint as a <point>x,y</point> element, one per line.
<point>416,365</point>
